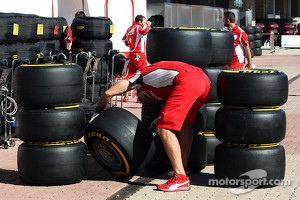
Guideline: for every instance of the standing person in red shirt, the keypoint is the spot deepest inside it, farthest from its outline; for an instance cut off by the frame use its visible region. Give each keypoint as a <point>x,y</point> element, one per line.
<point>241,43</point>
<point>184,88</point>
<point>135,39</point>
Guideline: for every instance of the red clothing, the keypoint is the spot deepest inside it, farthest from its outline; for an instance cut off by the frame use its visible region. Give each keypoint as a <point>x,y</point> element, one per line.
<point>184,87</point>
<point>240,40</point>
<point>135,39</point>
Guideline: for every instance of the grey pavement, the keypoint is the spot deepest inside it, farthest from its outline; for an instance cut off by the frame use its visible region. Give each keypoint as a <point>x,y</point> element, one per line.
<point>101,185</point>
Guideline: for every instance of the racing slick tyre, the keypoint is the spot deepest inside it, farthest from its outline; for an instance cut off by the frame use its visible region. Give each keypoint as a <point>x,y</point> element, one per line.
<point>101,47</point>
<point>190,45</point>
<point>249,88</point>
<point>150,112</point>
<point>212,73</point>
<point>250,126</point>
<point>211,109</point>
<point>255,163</point>
<point>50,124</point>
<point>119,142</point>
<point>100,28</point>
<point>197,159</point>
<point>211,143</point>
<point>222,47</point>
<point>198,154</point>
<point>57,163</point>
<point>47,85</point>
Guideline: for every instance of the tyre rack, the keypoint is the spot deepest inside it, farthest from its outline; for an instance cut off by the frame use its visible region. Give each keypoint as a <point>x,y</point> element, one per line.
<point>8,118</point>
<point>89,71</point>
<point>112,77</point>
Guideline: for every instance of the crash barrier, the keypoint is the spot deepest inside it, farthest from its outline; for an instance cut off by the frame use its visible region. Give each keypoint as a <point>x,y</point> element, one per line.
<point>251,125</point>
<point>50,124</point>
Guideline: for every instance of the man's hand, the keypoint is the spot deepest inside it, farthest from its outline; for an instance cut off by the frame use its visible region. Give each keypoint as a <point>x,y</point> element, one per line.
<point>119,88</point>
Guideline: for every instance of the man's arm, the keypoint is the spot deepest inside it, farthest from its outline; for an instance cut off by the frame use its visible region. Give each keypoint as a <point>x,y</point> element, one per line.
<point>119,88</point>
<point>249,57</point>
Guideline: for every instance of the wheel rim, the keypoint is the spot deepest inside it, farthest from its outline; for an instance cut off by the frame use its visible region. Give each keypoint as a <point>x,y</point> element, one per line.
<point>107,154</point>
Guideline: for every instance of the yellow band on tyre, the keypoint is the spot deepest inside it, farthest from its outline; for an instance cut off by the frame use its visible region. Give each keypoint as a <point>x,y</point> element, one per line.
<point>56,143</point>
<point>252,145</point>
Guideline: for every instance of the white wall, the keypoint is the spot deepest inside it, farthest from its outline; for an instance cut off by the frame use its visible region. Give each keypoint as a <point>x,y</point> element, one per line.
<point>38,7</point>
<point>119,11</point>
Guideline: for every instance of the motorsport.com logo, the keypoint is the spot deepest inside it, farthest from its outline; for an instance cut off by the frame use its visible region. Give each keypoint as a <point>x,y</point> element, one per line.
<point>248,181</point>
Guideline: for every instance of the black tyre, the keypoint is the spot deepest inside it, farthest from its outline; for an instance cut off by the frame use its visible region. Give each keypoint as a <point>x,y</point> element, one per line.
<point>250,126</point>
<point>156,21</point>
<point>222,47</point>
<point>119,142</point>
<point>51,124</point>
<point>193,46</point>
<point>211,109</point>
<point>211,143</point>
<point>150,112</point>
<point>49,164</point>
<point>48,46</point>
<point>47,85</point>
<point>248,88</point>
<point>198,155</point>
<point>257,51</point>
<point>197,160</point>
<point>101,47</point>
<point>89,28</point>
<point>249,29</point>
<point>212,73</point>
<point>234,162</point>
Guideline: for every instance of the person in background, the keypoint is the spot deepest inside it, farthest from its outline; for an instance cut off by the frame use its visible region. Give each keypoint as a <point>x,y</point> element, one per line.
<point>241,43</point>
<point>135,39</point>
<point>69,38</point>
<point>184,88</point>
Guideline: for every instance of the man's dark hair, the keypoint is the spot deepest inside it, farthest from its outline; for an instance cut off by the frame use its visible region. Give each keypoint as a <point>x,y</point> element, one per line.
<point>139,18</point>
<point>229,15</point>
<point>79,14</point>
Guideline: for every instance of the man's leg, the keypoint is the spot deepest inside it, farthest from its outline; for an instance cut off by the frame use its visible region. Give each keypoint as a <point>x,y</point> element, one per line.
<point>172,149</point>
<point>185,141</point>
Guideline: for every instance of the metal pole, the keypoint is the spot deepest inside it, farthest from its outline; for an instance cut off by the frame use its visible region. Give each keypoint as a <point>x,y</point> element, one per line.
<point>272,41</point>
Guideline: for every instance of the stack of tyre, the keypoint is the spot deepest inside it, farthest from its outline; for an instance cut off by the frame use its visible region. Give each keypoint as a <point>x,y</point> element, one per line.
<point>205,50</point>
<point>23,37</point>
<point>287,29</point>
<point>251,126</point>
<point>255,39</point>
<point>221,57</point>
<point>54,34</point>
<point>92,34</point>
<point>298,29</point>
<point>271,27</point>
<point>50,124</point>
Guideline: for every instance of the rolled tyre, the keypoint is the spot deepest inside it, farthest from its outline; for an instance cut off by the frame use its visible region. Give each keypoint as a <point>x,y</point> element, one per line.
<point>119,142</point>
<point>249,88</point>
<point>150,111</point>
<point>50,164</point>
<point>47,85</point>
<point>190,45</point>
<point>222,47</point>
<point>237,163</point>
<point>250,126</point>
<point>51,124</point>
